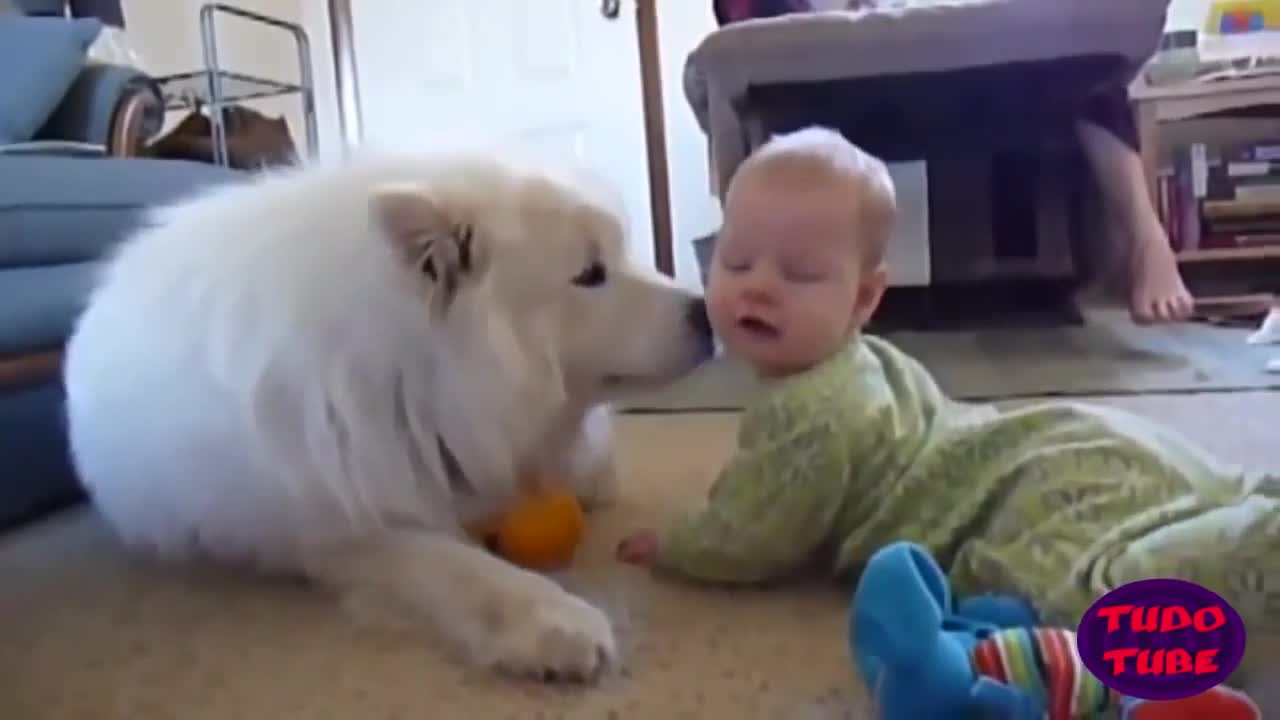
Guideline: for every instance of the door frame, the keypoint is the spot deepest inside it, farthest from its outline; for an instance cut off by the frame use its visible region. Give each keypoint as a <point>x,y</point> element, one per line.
<point>346,79</point>
<point>345,75</point>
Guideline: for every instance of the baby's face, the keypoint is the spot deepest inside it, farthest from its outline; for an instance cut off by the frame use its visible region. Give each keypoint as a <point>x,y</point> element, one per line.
<point>783,291</point>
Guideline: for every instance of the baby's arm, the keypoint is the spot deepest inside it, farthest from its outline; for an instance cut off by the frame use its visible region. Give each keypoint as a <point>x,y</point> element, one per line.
<point>770,508</point>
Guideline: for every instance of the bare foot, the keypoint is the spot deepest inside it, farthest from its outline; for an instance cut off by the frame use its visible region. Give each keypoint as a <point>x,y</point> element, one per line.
<point>1157,293</point>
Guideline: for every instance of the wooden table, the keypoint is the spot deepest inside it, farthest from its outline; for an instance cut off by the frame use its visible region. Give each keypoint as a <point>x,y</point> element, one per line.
<point>1159,105</point>
<point>1155,105</point>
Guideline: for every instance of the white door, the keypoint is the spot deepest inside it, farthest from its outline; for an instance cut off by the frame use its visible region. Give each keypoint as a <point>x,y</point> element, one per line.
<point>552,76</point>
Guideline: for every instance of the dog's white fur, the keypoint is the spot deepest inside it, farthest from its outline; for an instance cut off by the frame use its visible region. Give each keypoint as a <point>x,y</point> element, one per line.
<point>266,374</point>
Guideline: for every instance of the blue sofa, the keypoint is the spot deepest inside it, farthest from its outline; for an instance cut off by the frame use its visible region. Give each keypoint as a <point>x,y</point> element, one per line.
<point>62,207</point>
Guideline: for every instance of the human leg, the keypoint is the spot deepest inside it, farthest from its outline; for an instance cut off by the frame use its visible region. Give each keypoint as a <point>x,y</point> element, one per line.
<point>1233,550</point>
<point>1109,140</point>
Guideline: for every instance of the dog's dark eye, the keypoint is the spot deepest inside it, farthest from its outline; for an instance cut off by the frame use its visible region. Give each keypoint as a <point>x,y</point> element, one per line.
<point>591,276</point>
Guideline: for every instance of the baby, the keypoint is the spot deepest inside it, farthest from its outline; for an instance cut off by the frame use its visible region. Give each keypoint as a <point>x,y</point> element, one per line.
<point>852,445</point>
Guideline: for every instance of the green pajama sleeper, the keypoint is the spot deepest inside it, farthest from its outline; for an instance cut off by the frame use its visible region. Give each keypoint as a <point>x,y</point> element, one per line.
<point>1057,502</point>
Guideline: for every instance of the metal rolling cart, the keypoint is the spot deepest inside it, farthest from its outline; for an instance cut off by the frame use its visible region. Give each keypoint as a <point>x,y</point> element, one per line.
<point>217,88</point>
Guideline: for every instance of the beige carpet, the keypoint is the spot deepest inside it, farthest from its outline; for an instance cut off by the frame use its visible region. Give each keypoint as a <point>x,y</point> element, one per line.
<point>1108,355</point>
<point>86,632</point>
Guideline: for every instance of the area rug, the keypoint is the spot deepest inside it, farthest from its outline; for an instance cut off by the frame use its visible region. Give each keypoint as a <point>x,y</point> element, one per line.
<point>90,633</point>
<point>1106,355</point>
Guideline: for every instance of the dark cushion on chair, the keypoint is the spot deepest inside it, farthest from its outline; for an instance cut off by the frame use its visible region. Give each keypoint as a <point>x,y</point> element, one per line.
<point>38,305</point>
<point>89,107</point>
<point>38,475</point>
<point>66,209</point>
<point>41,7</point>
<point>39,59</point>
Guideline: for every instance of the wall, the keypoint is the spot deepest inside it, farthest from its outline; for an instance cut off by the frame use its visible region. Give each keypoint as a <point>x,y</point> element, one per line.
<point>682,24</point>
<point>165,34</point>
<point>1187,14</point>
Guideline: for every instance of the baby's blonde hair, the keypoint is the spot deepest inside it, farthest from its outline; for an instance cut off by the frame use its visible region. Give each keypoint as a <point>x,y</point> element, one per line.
<point>820,155</point>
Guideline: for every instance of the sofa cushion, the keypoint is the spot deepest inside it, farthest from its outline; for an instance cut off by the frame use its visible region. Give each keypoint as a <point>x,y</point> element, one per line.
<point>58,209</point>
<point>41,7</point>
<point>38,475</point>
<point>39,59</point>
<point>39,305</point>
<point>94,102</point>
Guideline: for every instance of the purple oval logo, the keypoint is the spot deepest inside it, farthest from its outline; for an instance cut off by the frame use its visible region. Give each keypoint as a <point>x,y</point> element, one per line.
<point>1161,639</point>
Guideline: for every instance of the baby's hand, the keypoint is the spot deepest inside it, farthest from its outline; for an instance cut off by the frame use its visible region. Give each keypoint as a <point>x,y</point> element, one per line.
<point>639,548</point>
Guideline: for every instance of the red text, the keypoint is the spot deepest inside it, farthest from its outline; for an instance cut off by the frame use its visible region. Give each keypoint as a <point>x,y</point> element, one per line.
<point>1163,662</point>
<point>1163,619</point>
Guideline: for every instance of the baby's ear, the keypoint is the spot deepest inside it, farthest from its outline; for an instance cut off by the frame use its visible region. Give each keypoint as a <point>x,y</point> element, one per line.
<point>427,238</point>
<point>899,604</point>
<point>871,291</point>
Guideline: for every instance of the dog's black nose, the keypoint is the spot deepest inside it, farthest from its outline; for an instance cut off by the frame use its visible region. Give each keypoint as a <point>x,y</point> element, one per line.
<point>697,314</point>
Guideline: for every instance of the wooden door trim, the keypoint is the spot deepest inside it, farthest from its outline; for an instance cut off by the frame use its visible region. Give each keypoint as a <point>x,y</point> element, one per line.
<point>345,76</point>
<point>20,371</point>
<point>655,135</point>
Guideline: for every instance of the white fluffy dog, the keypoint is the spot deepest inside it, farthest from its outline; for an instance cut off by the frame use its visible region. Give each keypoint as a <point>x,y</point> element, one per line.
<point>329,370</point>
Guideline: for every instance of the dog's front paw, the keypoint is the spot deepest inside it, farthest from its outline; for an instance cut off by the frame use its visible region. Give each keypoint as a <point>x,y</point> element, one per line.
<point>561,638</point>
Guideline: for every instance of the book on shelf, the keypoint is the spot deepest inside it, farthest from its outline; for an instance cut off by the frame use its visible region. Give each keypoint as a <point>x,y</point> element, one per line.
<point>1221,197</point>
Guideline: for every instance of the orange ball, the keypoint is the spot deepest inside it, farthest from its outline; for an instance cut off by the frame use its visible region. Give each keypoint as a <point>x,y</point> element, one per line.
<point>542,532</point>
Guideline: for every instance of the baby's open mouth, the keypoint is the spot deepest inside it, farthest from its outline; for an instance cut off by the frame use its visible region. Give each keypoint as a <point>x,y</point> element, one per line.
<point>758,327</point>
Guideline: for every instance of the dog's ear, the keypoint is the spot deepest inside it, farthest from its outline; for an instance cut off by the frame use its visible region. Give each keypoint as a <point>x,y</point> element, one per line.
<point>427,238</point>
